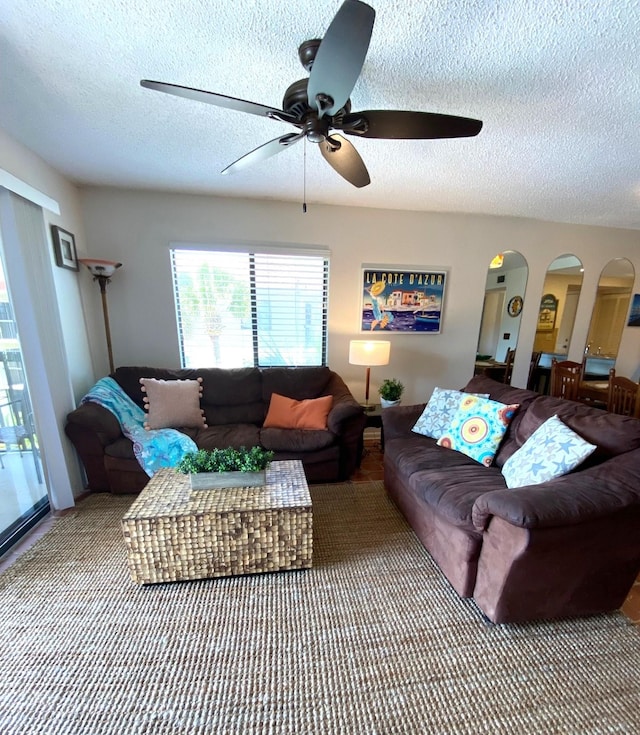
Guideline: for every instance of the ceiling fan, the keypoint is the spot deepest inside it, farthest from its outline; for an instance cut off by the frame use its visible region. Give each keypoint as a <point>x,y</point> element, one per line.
<point>320,105</point>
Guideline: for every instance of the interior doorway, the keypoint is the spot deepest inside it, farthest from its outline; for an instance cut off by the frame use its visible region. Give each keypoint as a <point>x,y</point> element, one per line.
<point>492,311</point>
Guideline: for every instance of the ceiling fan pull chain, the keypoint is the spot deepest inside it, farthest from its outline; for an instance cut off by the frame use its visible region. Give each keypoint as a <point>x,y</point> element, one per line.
<point>304,177</point>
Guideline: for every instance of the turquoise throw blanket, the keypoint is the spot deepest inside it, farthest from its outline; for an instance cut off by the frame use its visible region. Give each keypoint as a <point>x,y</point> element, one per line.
<point>153,449</point>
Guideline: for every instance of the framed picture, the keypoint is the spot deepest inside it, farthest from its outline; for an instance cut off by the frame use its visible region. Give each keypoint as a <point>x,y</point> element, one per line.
<point>401,300</point>
<point>514,307</point>
<point>547,313</point>
<point>634,314</point>
<point>64,248</point>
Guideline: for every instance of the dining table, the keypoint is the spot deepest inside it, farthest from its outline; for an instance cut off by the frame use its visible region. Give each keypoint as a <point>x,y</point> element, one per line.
<point>594,391</point>
<point>490,368</point>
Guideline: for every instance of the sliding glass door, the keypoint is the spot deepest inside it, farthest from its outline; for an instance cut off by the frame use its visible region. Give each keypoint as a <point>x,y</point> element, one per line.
<point>23,493</point>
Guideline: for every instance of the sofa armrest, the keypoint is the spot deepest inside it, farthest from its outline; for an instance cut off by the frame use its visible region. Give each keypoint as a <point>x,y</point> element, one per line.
<point>575,498</point>
<point>398,421</point>
<point>93,417</point>
<point>91,427</point>
<point>345,406</point>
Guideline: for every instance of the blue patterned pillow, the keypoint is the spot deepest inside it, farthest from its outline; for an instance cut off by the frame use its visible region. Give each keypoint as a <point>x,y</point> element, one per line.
<point>478,427</point>
<point>551,451</point>
<point>442,407</point>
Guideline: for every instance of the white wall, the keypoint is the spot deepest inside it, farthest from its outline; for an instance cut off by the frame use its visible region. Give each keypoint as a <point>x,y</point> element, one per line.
<point>136,227</point>
<point>514,284</point>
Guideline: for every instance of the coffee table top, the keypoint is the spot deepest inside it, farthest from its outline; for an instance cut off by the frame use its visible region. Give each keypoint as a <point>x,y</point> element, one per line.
<point>168,493</point>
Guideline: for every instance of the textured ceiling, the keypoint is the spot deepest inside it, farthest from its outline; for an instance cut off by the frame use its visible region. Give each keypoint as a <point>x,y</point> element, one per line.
<point>556,83</point>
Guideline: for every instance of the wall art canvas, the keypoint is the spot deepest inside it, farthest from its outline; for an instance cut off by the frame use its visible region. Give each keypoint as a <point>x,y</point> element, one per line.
<point>634,314</point>
<point>402,300</point>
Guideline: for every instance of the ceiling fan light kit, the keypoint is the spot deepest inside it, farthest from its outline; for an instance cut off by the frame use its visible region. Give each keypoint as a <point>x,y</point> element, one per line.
<point>319,105</point>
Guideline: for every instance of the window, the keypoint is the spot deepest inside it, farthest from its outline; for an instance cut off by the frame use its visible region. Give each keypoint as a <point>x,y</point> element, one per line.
<point>241,309</point>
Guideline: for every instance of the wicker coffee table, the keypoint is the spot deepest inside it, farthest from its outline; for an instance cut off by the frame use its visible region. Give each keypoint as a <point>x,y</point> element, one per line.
<point>173,533</point>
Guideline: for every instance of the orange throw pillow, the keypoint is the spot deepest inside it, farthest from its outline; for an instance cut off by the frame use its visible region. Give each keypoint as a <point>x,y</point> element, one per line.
<point>287,413</point>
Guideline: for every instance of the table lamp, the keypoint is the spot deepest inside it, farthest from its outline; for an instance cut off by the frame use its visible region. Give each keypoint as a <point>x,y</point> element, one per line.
<point>369,353</point>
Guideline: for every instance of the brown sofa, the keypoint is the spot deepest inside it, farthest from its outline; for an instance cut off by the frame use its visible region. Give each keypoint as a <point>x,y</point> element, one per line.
<point>235,402</point>
<point>566,547</point>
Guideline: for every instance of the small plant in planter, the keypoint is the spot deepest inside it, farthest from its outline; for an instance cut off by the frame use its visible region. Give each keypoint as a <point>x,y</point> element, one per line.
<point>390,392</point>
<point>227,467</point>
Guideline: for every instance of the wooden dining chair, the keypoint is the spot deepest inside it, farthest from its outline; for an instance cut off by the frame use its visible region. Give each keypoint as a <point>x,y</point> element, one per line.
<point>624,395</point>
<point>565,379</point>
<point>508,365</point>
<point>533,367</point>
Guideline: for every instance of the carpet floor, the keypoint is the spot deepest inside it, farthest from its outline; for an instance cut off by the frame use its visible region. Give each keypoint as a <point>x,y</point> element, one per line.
<point>370,640</point>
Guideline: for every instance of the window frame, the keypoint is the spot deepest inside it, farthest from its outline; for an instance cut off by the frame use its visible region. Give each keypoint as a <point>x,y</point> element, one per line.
<point>253,250</point>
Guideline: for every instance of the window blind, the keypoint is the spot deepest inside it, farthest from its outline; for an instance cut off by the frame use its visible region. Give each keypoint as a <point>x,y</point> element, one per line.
<point>240,309</point>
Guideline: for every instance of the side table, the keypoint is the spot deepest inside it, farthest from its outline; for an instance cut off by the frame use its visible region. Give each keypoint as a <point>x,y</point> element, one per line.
<point>374,420</point>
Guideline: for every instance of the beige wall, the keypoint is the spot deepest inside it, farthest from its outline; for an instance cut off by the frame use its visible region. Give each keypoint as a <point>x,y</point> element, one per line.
<point>137,228</point>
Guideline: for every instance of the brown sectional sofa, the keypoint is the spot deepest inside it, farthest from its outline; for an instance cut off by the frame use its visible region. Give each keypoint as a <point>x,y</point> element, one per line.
<point>235,402</point>
<point>566,547</point>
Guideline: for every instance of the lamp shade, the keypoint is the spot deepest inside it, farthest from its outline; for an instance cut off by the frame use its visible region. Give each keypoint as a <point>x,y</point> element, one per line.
<point>369,352</point>
<point>98,267</point>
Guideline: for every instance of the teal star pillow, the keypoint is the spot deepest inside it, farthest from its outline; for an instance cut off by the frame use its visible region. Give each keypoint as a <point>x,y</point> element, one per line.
<point>551,451</point>
<point>441,408</point>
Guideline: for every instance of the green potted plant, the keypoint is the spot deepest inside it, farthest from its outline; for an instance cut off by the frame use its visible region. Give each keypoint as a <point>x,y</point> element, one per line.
<point>227,467</point>
<point>390,392</point>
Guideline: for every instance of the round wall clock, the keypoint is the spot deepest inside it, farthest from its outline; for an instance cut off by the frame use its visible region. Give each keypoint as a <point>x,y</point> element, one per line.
<point>514,307</point>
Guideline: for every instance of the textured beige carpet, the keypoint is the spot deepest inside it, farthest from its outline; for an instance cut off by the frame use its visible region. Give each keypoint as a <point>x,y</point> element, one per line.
<point>371,640</point>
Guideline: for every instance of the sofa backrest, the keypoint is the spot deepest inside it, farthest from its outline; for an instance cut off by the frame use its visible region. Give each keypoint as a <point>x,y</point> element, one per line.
<point>294,382</point>
<point>233,395</point>
<point>613,434</point>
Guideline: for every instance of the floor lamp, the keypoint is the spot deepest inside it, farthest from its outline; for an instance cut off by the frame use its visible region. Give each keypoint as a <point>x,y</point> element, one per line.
<point>102,270</point>
<point>369,353</point>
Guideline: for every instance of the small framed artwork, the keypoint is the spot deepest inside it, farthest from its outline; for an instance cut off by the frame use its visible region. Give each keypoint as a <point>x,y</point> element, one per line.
<point>514,307</point>
<point>634,314</point>
<point>547,313</point>
<point>401,300</point>
<point>64,248</point>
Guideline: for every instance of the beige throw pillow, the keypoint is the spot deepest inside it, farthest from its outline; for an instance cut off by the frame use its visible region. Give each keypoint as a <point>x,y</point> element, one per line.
<point>171,404</point>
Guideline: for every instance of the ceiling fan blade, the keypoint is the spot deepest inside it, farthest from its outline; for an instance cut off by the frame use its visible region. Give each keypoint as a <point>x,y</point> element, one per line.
<point>266,150</point>
<point>345,159</point>
<point>221,100</point>
<point>340,57</point>
<point>404,124</point>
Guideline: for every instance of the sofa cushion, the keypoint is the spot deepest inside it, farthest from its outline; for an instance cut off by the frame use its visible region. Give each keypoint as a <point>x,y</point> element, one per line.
<point>295,440</point>
<point>288,413</point>
<point>551,451</point>
<point>128,378</point>
<point>478,427</point>
<point>243,413</point>
<point>414,453</point>
<point>441,408</point>
<point>613,434</point>
<point>452,490</point>
<point>171,404</point>
<point>231,386</point>
<point>232,396</point>
<point>298,382</point>
<point>228,435</point>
